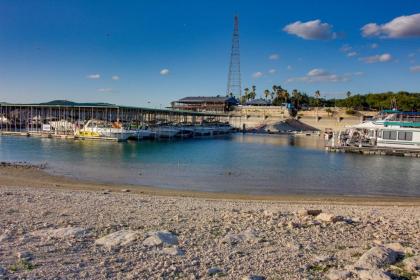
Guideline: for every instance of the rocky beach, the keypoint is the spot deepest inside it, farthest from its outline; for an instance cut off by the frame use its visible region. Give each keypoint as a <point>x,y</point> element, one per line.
<point>56,228</point>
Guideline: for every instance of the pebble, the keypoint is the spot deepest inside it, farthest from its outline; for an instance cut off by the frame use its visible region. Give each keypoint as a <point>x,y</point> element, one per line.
<point>214,271</point>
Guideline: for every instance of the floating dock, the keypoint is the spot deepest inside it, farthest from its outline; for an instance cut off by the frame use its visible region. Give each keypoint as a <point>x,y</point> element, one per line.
<point>375,151</point>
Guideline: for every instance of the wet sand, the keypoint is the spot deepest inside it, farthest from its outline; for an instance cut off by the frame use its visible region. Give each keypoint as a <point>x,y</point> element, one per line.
<point>27,175</point>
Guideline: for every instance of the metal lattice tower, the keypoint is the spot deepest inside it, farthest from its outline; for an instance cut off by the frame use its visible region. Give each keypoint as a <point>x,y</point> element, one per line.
<point>234,76</point>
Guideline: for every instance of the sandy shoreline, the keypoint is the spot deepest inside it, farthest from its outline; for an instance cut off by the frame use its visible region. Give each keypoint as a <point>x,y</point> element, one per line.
<point>36,176</point>
<point>55,227</point>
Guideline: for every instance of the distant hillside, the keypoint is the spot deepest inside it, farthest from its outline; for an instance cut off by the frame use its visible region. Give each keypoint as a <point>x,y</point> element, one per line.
<point>71,103</point>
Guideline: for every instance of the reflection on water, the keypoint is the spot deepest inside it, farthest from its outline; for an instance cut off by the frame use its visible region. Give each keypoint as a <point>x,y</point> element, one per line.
<point>256,164</point>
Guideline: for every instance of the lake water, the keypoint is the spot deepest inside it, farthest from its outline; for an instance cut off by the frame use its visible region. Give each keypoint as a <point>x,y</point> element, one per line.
<point>250,164</point>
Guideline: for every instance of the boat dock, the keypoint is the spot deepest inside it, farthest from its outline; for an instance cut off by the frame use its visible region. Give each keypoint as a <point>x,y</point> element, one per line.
<point>102,121</point>
<point>375,151</point>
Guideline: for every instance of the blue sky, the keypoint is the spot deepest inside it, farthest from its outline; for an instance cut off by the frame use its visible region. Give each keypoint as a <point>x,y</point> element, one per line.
<point>117,51</point>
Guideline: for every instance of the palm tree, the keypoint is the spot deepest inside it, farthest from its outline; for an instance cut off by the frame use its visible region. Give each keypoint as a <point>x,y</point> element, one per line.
<point>285,95</point>
<point>253,94</point>
<point>266,94</point>
<point>348,94</point>
<point>297,96</point>
<point>317,96</point>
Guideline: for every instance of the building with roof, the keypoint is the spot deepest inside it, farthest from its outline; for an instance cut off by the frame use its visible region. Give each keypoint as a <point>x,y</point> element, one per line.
<point>205,103</point>
<point>258,102</point>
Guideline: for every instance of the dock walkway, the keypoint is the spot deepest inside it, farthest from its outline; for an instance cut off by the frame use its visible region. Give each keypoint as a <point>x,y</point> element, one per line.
<point>374,151</point>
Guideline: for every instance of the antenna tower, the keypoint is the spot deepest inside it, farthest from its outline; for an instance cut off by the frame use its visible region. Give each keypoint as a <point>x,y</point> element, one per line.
<point>234,76</point>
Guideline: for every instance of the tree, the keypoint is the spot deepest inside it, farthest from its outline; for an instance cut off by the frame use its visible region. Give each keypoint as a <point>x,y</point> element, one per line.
<point>253,94</point>
<point>266,94</point>
<point>317,96</point>
<point>297,97</point>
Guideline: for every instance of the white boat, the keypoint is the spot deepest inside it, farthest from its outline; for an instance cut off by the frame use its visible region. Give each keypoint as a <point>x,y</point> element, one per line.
<point>165,131</point>
<point>403,135</point>
<point>98,129</point>
<point>62,126</point>
<point>392,131</point>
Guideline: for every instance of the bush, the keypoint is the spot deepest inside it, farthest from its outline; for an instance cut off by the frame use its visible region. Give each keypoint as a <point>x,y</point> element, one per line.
<point>350,112</point>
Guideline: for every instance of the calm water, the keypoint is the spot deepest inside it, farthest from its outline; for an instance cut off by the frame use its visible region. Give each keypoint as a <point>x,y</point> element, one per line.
<point>253,164</point>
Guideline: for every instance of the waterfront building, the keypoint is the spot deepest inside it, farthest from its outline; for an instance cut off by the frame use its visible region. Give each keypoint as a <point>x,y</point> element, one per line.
<point>205,103</point>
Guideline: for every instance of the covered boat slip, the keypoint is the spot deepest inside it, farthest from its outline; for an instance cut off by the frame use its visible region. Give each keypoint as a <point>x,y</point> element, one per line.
<point>68,120</point>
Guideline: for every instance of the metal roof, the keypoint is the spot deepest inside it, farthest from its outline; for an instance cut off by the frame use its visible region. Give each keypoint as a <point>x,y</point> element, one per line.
<point>70,104</point>
<point>200,99</point>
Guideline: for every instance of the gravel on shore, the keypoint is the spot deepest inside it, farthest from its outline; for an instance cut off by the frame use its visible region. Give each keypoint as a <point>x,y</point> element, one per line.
<point>56,233</point>
<point>53,232</point>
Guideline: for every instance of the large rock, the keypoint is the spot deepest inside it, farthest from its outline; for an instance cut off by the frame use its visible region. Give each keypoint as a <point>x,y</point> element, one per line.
<point>412,264</point>
<point>373,274</point>
<point>214,271</point>
<point>61,233</point>
<point>329,218</point>
<point>309,212</point>
<point>376,257</point>
<point>248,235</point>
<point>253,277</point>
<point>118,238</point>
<point>336,274</point>
<point>158,238</point>
<point>173,251</point>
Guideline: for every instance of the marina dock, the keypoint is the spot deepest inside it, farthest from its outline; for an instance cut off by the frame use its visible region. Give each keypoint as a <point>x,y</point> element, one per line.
<point>102,121</point>
<point>375,151</point>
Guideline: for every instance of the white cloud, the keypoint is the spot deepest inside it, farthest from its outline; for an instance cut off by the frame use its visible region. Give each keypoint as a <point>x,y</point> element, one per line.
<point>274,56</point>
<point>411,55</point>
<point>350,54</point>
<point>272,71</point>
<point>93,76</point>
<point>374,46</point>
<point>346,48</point>
<point>257,75</point>
<point>115,77</point>
<point>311,30</point>
<point>105,90</point>
<point>399,27</point>
<point>377,58</point>
<point>289,67</point>
<point>164,72</point>
<point>415,69</point>
<point>321,75</point>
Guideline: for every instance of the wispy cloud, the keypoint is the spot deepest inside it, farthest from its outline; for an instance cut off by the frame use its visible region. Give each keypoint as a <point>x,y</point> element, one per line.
<point>105,90</point>
<point>93,76</point>
<point>348,50</point>
<point>415,69</point>
<point>257,75</point>
<point>320,75</point>
<point>272,71</point>
<point>374,46</point>
<point>311,30</point>
<point>115,77</point>
<point>377,58</point>
<point>274,56</point>
<point>289,67</point>
<point>399,27</point>
<point>164,72</point>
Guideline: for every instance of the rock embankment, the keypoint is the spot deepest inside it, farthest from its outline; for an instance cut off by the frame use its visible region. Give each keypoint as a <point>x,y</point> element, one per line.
<point>47,234</point>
